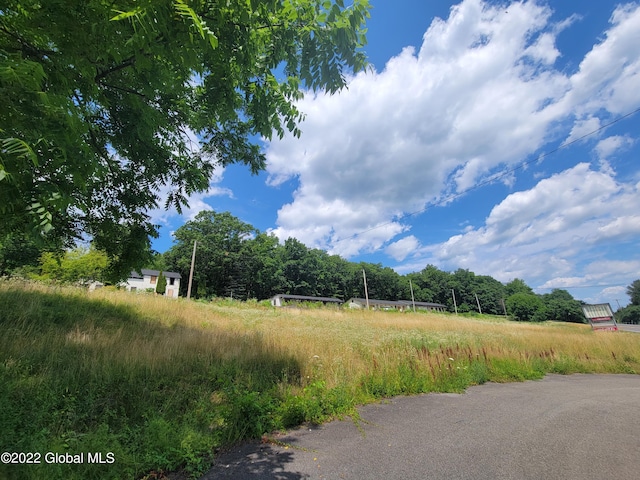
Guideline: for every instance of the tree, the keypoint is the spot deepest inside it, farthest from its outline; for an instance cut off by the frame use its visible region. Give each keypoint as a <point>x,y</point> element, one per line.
<point>383,283</point>
<point>434,286</point>
<point>219,256</point>
<point>517,285</point>
<point>525,307</point>
<point>78,265</point>
<point>633,291</point>
<point>103,101</point>
<point>629,314</point>
<point>261,254</point>
<point>18,251</point>
<point>490,294</point>
<point>161,284</point>
<point>559,305</point>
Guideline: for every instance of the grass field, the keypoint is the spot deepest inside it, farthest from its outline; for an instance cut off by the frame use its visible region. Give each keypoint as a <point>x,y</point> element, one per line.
<point>161,384</point>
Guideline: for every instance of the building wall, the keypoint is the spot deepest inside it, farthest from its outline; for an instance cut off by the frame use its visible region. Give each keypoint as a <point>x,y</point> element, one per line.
<point>142,284</point>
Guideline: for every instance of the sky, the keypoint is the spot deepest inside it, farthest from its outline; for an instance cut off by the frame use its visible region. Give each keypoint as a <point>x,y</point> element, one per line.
<point>498,137</point>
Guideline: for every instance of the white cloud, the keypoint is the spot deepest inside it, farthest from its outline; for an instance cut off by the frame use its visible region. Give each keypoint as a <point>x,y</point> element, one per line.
<point>611,145</point>
<point>583,128</point>
<point>609,75</point>
<point>482,92</point>
<point>543,234</point>
<point>403,248</point>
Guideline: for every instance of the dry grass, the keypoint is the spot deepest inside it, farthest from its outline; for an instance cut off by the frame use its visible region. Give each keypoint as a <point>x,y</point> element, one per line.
<point>341,345</point>
<point>344,343</point>
<point>163,382</point>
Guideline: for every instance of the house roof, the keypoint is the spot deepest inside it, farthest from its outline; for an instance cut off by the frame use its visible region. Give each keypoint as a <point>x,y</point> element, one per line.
<point>153,273</point>
<point>394,303</point>
<point>306,298</point>
<point>373,301</point>
<point>424,304</point>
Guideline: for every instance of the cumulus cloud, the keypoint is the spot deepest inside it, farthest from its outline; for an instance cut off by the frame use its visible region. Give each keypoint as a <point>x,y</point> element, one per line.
<point>403,248</point>
<point>481,93</point>
<point>610,145</point>
<point>543,233</point>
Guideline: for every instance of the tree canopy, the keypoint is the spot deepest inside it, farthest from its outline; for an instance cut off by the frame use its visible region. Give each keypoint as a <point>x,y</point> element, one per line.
<point>631,313</point>
<point>111,108</point>
<point>633,291</point>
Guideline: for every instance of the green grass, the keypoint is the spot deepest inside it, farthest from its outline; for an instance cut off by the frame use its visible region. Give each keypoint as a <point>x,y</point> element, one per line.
<point>162,384</point>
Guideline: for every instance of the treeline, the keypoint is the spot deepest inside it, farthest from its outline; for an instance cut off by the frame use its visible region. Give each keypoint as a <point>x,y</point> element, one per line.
<point>631,313</point>
<point>234,259</point>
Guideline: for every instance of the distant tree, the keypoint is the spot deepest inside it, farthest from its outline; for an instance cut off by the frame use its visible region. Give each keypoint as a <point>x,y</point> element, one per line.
<point>490,293</point>
<point>220,253</point>
<point>525,307</point>
<point>263,267</point>
<point>157,262</point>
<point>633,291</point>
<point>434,286</point>
<point>628,314</point>
<point>383,283</point>
<point>78,265</point>
<point>517,285</point>
<point>462,281</point>
<point>161,284</point>
<point>559,305</point>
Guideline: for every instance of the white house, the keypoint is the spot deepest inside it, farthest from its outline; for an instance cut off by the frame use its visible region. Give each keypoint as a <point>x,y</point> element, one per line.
<point>149,279</point>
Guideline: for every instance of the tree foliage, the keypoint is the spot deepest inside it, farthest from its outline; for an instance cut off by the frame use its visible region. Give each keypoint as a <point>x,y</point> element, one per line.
<point>103,102</point>
<point>559,305</point>
<point>80,265</point>
<point>525,307</point>
<point>220,258</point>
<point>633,291</point>
<point>18,251</point>
<point>629,314</point>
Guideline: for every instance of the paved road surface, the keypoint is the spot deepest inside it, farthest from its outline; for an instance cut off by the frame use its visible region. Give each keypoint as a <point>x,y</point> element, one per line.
<point>578,427</point>
<point>629,328</point>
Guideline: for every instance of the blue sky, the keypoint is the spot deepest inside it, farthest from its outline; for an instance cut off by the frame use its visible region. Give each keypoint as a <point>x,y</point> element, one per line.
<point>491,136</point>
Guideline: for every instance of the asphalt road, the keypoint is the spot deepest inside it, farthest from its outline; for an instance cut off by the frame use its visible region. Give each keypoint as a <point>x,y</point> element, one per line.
<point>562,427</point>
<point>629,328</point>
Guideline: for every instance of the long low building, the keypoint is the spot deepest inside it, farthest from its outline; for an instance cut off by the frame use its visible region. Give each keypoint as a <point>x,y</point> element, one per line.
<point>433,307</point>
<point>401,305</point>
<point>283,299</point>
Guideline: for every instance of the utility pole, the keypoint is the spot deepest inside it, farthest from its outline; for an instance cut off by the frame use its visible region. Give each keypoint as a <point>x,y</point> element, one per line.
<point>413,300</point>
<point>455,306</point>
<point>504,307</point>
<point>478,302</point>
<point>193,261</point>
<point>366,293</point>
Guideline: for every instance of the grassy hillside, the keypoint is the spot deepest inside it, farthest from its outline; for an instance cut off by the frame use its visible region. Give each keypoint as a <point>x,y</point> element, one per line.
<point>161,384</point>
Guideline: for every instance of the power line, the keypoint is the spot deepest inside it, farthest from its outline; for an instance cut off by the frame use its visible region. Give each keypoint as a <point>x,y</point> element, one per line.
<point>491,179</point>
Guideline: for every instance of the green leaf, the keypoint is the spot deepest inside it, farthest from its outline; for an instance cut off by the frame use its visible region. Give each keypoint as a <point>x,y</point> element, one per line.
<point>124,15</point>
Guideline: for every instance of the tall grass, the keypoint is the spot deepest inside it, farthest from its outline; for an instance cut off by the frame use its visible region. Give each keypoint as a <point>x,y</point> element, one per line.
<point>163,383</point>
